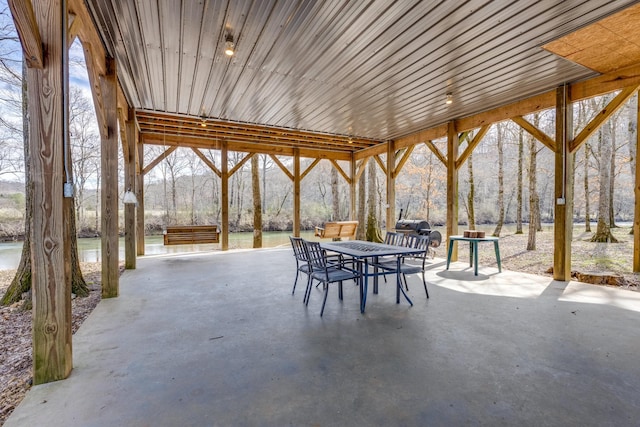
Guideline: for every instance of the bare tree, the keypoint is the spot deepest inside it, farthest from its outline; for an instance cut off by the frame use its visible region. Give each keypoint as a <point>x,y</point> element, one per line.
<point>373,229</point>
<point>603,230</point>
<point>519,185</point>
<point>534,205</point>
<point>257,202</point>
<point>500,145</point>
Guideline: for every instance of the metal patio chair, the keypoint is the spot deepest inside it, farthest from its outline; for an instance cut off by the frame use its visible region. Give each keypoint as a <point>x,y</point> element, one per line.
<point>326,270</point>
<point>415,241</point>
<point>302,263</point>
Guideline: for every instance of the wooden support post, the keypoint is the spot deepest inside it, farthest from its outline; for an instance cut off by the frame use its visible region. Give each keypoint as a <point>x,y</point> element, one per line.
<point>391,185</point>
<point>224,183</point>
<point>353,185</point>
<point>563,212</point>
<point>52,357</point>
<point>139,195</point>
<point>130,185</point>
<point>109,183</point>
<point>636,214</point>
<point>296,192</point>
<point>452,185</point>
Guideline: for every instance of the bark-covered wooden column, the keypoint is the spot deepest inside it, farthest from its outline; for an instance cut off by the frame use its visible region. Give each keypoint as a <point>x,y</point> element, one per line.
<point>109,183</point>
<point>563,210</point>
<point>296,192</point>
<point>391,185</point>
<point>139,196</point>
<point>452,185</point>
<point>224,194</point>
<point>352,188</point>
<point>636,216</point>
<point>51,287</point>
<point>130,185</point>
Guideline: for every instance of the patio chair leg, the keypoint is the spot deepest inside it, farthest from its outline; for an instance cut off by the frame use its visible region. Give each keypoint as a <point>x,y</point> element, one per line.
<point>295,282</point>
<point>326,291</point>
<point>340,290</point>
<point>307,292</point>
<point>424,282</point>
<point>406,286</point>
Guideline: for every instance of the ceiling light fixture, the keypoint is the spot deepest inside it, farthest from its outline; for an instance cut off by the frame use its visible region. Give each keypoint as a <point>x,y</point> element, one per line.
<point>203,123</point>
<point>229,46</point>
<point>449,98</point>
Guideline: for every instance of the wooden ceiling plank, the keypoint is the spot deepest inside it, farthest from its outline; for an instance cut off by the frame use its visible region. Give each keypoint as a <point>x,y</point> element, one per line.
<point>160,158</point>
<point>534,131</point>
<point>613,106</point>
<point>28,31</point>
<point>206,161</point>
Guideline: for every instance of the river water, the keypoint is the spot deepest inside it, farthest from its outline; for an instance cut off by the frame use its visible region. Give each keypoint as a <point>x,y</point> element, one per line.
<point>89,249</point>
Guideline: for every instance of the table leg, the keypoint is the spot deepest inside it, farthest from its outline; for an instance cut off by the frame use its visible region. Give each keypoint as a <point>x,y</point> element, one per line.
<point>470,254</point>
<point>363,301</point>
<point>495,246</point>
<point>449,252</point>
<point>375,276</point>
<point>475,258</point>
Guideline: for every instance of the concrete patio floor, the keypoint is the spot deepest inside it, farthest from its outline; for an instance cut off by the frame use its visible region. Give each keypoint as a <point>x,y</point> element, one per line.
<point>217,339</point>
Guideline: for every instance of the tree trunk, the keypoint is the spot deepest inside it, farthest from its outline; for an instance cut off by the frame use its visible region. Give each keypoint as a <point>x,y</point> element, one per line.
<point>362,200</point>
<point>335,196</point>
<point>498,229</point>
<point>533,196</point>
<point>612,175</point>
<point>471,212</point>
<point>603,231</point>
<point>587,205</point>
<point>520,183</point>
<point>633,129</point>
<point>373,230</point>
<point>257,202</point>
<point>21,283</point>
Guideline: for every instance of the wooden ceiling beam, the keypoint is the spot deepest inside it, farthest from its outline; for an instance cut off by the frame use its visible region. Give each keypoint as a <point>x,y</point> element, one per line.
<point>436,151</point>
<point>207,161</point>
<point>604,115</point>
<point>341,171</point>
<point>28,31</point>
<point>160,158</point>
<point>309,168</point>
<point>534,131</point>
<point>281,166</point>
<point>241,163</point>
<point>472,145</point>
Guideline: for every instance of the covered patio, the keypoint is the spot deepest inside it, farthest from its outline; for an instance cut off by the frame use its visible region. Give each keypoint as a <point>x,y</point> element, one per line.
<point>198,340</point>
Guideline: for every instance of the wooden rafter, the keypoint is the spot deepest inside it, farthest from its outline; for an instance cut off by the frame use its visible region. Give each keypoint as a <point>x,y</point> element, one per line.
<point>403,160</point>
<point>472,145</point>
<point>380,163</point>
<point>534,131</point>
<point>74,28</point>
<point>436,151</point>
<point>241,163</point>
<point>206,161</point>
<point>281,166</point>
<point>360,168</point>
<point>27,28</point>
<point>341,171</point>
<point>309,168</point>
<point>158,159</point>
<point>604,114</point>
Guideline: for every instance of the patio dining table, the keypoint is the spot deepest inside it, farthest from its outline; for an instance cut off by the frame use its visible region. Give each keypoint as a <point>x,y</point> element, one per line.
<point>362,252</point>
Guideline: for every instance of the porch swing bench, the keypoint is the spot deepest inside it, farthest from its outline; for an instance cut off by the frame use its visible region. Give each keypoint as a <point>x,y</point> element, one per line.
<point>191,234</point>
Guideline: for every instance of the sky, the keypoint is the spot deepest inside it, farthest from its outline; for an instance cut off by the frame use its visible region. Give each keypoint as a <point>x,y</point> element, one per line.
<point>11,52</point>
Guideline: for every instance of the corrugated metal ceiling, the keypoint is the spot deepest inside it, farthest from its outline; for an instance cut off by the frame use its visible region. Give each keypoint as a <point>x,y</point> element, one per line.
<point>374,69</point>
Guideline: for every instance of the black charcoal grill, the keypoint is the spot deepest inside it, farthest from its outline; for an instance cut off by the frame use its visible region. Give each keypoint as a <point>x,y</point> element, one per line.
<point>418,226</point>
